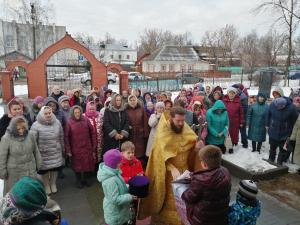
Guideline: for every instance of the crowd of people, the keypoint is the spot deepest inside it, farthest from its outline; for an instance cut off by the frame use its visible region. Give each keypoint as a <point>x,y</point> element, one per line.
<point>137,130</point>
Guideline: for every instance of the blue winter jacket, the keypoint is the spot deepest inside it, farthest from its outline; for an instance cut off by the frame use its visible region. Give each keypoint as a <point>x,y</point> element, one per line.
<point>116,203</point>
<point>243,214</point>
<point>281,121</point>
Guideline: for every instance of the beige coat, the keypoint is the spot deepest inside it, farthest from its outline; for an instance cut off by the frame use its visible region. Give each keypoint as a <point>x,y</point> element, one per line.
<point>296,137</point>
<point>19,156</point>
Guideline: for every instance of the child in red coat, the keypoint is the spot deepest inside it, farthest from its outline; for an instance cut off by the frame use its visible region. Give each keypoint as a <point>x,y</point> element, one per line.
<point>130,165</point>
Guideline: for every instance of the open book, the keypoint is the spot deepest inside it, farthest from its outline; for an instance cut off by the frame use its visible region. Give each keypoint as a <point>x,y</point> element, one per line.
<point>181,183</point>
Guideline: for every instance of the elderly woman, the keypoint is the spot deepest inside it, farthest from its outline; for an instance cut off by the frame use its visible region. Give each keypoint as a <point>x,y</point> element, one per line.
<point>50,139</point>
<point>19,155</point>
<point>115,124</point>
<point>138,126</point>
<point>81,144</point>
<point>235,114</point>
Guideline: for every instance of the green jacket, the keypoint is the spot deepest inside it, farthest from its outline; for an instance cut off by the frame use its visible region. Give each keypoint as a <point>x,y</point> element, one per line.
<point>116,203</point>
<point>217,123</point>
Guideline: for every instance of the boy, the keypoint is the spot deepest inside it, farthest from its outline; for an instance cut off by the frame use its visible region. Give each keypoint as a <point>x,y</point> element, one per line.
<point>130,165</point>
<point>208,196</point>
<point>246,209</point>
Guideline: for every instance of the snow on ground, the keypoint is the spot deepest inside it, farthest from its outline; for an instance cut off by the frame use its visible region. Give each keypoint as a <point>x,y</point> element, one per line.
<point>251,161</point>
<point>20,90</point>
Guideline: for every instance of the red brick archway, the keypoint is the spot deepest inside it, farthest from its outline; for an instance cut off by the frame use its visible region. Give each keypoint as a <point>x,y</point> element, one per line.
<point>115,68</point>
<point>11,65</point>
<point>36,72</point>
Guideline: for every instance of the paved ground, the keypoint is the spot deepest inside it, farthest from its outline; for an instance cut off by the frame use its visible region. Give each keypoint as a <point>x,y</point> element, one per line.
<point>84,207</point>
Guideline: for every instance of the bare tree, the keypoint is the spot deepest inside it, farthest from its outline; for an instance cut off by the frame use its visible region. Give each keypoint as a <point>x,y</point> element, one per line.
<point>212,40</point>
<point>270,45</point>
<point>152,39</point>
<point>288,12</point>
<point>20,10</point>
<point>248,51</point>
<point>228,40</point>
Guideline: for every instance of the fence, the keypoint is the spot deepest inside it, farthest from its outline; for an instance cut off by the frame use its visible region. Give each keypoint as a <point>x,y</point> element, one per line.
<point>157,84</point>
<point>202,74</point>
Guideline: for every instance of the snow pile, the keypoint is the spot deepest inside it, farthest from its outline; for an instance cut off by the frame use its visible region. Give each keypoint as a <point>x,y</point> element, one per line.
<point>21,90</point>
<point>251,161</point>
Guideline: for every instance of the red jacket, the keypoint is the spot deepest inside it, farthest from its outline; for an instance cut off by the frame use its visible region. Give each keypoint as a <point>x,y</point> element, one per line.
<point>130,168</point>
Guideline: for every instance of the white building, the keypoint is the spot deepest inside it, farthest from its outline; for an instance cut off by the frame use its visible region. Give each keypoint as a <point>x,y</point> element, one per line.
<point>116,53</point>
<point>19,37</point>
<point>174,59</point>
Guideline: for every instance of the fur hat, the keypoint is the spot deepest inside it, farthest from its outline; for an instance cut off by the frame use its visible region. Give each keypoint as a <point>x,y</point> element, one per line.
<point>280,103</point>
<point>248,189</point>
<point>160,104</point>
<point>231,89</point>
<point>112,158</point>
<point>63,98</point>
<point>38,99</point>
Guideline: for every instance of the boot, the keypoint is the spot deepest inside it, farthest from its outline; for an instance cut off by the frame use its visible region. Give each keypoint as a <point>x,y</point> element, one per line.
<point>230,151</point>
<point>53,177</point>
<point>253,146</point>
<point>78,181</point>
<point>46,180</point>
<point>85,181</point>
<point>259,147</point>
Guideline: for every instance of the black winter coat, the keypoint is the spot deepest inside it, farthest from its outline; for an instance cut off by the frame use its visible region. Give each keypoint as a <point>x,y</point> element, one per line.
<point>4,122</point>
<point>115,121</point>
<point>208,197</point>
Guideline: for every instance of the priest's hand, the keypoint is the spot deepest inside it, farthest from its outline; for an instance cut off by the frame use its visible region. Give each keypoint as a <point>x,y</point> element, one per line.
<point>199,145</point>
<point>175,173</point>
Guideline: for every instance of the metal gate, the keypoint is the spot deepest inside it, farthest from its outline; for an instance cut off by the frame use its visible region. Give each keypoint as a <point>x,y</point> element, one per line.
<point>69,77</point>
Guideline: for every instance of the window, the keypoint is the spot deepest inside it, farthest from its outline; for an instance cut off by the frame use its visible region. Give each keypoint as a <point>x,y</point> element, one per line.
<point>120,57</point>
<point>22,43</point>
<point>128,57</point>
<point>190,67</point>
<point>163,68</point>
<point>152,68</point>
<point>112,56</point>
<point>9,41</point>
<point>172,68</point>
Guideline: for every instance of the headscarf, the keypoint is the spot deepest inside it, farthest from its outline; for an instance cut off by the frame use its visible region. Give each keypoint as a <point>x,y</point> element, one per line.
<point>88,112</point>
<point>129,103</point>
<point>72,110</point>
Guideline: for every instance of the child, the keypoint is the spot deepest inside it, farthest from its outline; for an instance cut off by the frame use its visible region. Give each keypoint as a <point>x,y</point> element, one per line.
<point>116,203</point>
<point>130,165</point>
<point>246,209</point>
<point>208,196</point>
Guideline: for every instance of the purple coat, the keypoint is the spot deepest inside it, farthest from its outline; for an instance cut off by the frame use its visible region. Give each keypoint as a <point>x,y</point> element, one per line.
<point>81,142</point>
<point>208,197</point>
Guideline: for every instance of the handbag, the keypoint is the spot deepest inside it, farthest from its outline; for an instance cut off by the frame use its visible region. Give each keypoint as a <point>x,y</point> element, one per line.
<point>228,142</point>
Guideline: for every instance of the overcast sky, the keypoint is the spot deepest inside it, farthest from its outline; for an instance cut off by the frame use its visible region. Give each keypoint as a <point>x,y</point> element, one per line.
<point>126,19</point>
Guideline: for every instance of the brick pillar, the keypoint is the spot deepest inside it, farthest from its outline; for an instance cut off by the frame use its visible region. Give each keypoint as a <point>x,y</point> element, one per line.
<point>123,81</point>
<point>7,86</point>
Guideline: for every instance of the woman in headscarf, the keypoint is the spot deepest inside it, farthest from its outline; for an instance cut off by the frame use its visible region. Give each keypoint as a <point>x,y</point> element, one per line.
<point>256,121</point>
<point>138,126</point>
<point>50,139</point>
<point>14,109</point>
<point>115,124</point>
<point>80,144</point>
<point>96,119</point>
<point>19,155</point>
<point>153,121</point>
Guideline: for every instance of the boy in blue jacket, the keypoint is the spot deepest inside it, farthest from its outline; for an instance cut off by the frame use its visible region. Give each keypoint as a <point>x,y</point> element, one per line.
<point>246,208</point>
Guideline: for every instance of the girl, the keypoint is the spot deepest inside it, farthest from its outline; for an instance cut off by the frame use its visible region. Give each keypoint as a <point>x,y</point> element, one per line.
<point>116,202</point>
<point>50,139</point>
<point>19,155</point>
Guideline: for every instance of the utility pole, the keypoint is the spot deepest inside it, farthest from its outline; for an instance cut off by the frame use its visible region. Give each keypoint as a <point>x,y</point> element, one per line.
<point>34,20</point>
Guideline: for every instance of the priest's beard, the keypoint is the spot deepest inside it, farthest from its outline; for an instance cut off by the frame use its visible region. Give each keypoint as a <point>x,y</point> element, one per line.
<point>175,128</point>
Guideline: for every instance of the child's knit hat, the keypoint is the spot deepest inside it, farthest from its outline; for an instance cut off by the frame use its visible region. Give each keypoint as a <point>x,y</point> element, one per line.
<point>112,158</point>
<point>248,189</point>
